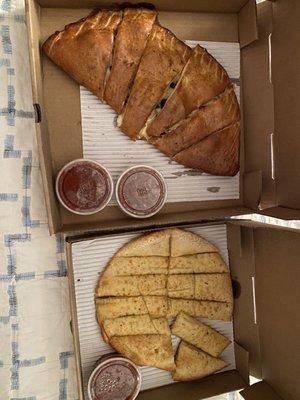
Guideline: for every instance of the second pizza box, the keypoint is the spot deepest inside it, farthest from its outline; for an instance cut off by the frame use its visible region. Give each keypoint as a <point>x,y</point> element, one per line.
<point>263,263</point>
<point>269,141</point>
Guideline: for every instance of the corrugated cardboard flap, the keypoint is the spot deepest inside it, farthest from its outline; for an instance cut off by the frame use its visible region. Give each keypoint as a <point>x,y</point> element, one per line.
<point>258,112</point>
<point>270,68</point>
<point>260,391</point>
<point>42,134</point>
<point>247,23</point>
<point>285,56</point>
<point>274,253</point>
<point>242,266</point>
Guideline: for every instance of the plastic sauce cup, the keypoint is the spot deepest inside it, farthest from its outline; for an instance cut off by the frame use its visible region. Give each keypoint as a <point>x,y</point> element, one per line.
<point>141,191</point>
<point>84,187</point>
<point>114,378</point>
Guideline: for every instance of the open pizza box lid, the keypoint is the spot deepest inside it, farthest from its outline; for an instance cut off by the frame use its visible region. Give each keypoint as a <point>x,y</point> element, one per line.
<point>264,263</point>
<point>271,119</point>
<point>270,144</point>
<point>265,260</point>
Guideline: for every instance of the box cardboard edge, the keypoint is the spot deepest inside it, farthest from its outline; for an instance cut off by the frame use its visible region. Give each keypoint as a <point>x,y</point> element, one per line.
<point>74,320</point>
<point>258,391</point>
<point>31,8</point>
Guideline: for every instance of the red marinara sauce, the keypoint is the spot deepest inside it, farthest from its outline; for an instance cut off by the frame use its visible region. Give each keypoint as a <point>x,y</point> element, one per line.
<point>114,379</point>
<point>84,187</point>
<point>141,191</point>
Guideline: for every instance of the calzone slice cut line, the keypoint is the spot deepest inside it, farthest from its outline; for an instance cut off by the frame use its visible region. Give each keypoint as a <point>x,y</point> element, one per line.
<point>129,45</point>
<point>214,116</point>
<point>202,79</point>
<point>161,63</point>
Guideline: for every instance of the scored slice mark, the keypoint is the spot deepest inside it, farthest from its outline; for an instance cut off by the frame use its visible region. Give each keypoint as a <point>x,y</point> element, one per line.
<point>130,42</point>
<point>154,75</point>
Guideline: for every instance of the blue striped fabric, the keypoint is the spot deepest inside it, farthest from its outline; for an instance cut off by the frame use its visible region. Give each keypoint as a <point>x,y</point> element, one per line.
<point>36,351</point>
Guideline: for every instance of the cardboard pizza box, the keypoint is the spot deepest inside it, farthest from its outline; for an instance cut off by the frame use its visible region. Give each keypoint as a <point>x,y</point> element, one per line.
<point>264,266</point>
<point>270,65</point>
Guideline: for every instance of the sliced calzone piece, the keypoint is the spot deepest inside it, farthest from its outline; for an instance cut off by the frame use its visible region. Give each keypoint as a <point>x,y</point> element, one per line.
<point>162,61</point>
<point>84,48</point>
<point>216,115</point>
<point>129,45</point>
<point>217,154</point>
<point>202,79</point>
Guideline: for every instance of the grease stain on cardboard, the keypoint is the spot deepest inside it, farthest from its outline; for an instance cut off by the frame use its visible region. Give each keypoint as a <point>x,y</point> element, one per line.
<point>213,189</point>
<point>189,172</point>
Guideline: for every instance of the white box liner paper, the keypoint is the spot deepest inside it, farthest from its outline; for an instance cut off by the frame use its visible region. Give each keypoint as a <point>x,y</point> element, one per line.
<point>105,143</point>
<point>89,258</point>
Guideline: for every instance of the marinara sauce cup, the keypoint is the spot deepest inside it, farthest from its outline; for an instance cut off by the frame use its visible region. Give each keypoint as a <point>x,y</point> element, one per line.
<point>114,377</point>
<point>141,191</point>
<point>84,186</point>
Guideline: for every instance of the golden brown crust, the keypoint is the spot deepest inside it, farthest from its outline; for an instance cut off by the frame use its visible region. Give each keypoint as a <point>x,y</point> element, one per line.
<point>217,154</point>
<point>213,287</point>
<point>155,243</point>
<point>138,285</point>
<point>218,114</point>
<point>185,242</point>
<point>162,60</point>
<point>89,39</point>
<point>129,44</point>
<point>100,323</point>
<point>202,79</point>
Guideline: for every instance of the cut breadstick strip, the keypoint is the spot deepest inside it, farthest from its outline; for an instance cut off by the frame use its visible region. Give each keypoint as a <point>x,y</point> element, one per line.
<point>200,335</point>
<point>192,363</point>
